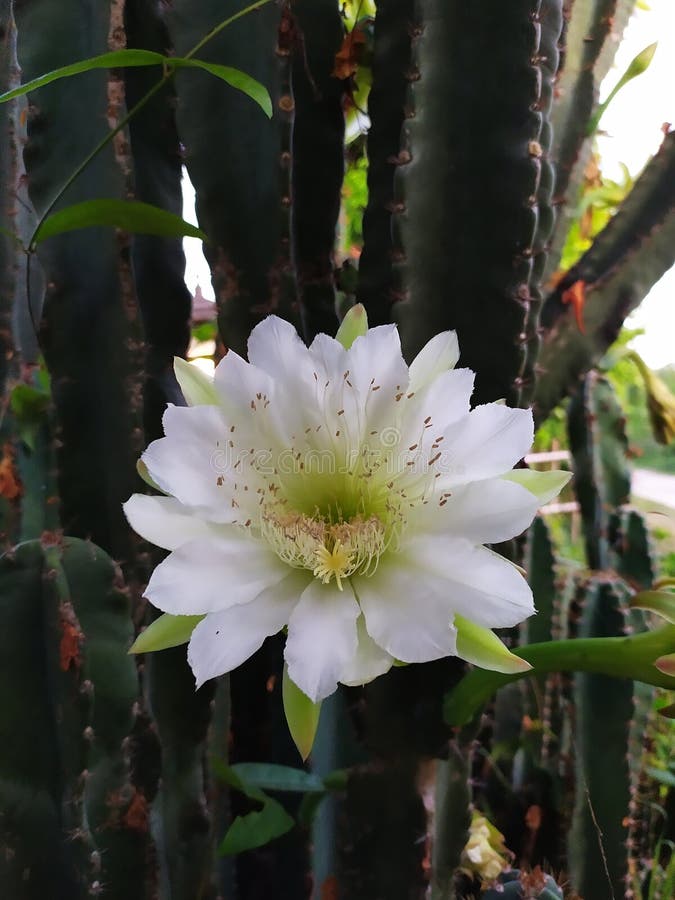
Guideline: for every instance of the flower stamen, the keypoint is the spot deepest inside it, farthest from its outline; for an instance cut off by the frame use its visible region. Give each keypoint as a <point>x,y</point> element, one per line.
<point>335,563</point>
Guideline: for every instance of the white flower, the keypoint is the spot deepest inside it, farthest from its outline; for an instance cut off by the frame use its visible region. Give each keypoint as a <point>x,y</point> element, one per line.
<point>339,493</point>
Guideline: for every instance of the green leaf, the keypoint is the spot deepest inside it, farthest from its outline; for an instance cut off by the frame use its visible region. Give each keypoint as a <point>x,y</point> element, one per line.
<point>544,485</point>
<point>196,385</point>
<point>166,631</point>
<point>115,59</point>
<point>302,715</point>
<point>234,77</point>
<point>271,777</point>
<point>482,647</point>
<point>665,776</point>
<point>354,324</point>
<point>636,67</point>
<point>131,215</point>
<point>134,58</point>
<point>30,406</point>
<point>257,828</point>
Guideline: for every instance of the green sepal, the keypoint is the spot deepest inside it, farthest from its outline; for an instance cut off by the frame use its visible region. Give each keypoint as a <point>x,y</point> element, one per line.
<point>196,385</point>
<point>354,324</point>
<point>482,647</point>
<point>144,475</point>
<point>166,631</point>
<point>302,715</point>
<point>660,602</point>
<point>544,485</point>
<point>131,215</point>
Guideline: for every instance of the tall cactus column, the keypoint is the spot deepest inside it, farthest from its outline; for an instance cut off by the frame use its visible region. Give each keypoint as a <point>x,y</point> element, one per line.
<point>465,210</point>
<point>89,329</point>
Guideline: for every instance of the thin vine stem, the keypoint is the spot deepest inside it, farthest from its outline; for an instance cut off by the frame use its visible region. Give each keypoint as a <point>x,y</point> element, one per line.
<point>166,77</point>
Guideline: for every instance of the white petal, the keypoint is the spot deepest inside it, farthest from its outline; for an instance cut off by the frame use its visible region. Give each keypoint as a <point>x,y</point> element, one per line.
<point>195,463</point>
<point>212,574</point>
<point>275,347</point>
<point>479,584</point>
<point>488,442</point>
<point>407,611</point>
<point>438,355</point>
<point>329,357</point>
<point>224,640</point>
<point>322,638</point>
<point>164,521</point>
<point>544,485</point>
<point>483,512</point>
<point>369,661</point>
<point>426,416</point>
<point>379,373</point>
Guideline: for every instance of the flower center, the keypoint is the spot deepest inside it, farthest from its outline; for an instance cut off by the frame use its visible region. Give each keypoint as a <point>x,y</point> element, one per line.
<point>329,550</point>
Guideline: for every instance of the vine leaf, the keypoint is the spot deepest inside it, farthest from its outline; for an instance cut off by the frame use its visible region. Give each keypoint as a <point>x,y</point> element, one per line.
<point>134,58</point>
<point>256,828</point>
<point>140,218</point>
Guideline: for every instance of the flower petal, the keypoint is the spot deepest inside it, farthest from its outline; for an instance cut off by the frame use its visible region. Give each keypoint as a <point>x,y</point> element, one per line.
<point>224,640</point>
<point>438,355</point>
<point>479,584</point>
<point>164,521</point>
<point>483,512</point>
<point>379,373</point>
<point>488,442</point>
<point>322,638</point>
<point>213,574</point>
<point>276,347</point>
<point>407,612</point>
<point>195,463</point>
<point>369,661</point>
<point>544,485</point>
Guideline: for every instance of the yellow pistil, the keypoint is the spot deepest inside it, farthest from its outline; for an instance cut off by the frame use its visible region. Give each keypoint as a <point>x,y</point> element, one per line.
<point>333,563</point>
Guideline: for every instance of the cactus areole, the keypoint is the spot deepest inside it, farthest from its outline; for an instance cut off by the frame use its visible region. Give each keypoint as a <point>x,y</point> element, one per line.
<point>335,491</point>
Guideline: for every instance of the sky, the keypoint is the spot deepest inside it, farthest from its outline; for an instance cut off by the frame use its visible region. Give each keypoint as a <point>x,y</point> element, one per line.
<point>633,132</point>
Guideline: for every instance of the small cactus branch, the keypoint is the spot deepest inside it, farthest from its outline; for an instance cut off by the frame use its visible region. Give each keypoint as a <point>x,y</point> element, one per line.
<point>591,38</point>
<point>629,256</point>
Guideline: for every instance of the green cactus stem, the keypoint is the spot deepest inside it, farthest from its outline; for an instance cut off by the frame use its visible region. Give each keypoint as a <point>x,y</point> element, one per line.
<point>92,307</point>
<point>598,443</point>
<point>472,131</point>
<point>318,159</point>
<point>243,206</point>
<point>158,263</point>
<point>386,109</point>
<point>71,818</point>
